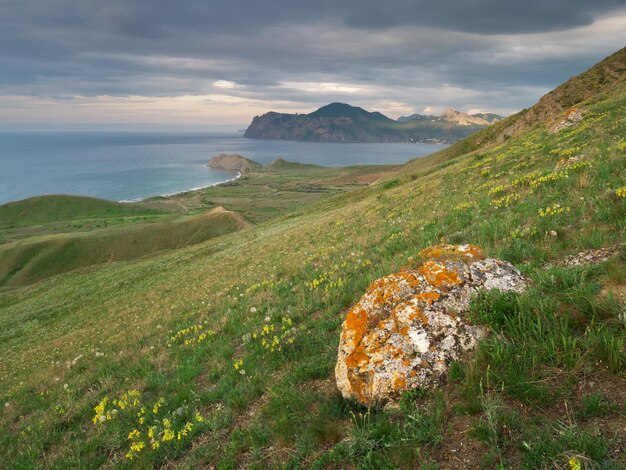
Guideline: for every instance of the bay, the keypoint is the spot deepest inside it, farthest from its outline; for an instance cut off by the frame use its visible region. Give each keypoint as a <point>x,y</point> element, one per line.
<point>135,165</point>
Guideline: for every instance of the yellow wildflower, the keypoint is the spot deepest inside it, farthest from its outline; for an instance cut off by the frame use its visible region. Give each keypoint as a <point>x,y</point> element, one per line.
<point>137,446</point>
<point>574,464</point>
<point>158,405</point>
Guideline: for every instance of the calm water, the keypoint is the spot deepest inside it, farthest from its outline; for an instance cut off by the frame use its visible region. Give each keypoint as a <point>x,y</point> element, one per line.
<point>133,165</point>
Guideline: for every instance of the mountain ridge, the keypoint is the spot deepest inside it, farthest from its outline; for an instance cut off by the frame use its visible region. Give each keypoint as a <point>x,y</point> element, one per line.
<point>341,122</point>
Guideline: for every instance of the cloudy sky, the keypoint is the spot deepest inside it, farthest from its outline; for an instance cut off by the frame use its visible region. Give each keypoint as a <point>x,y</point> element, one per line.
<point>220,62</point>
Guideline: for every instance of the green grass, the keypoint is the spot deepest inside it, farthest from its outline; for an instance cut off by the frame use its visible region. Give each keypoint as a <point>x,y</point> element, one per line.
<point>521,401</point>
<point>55,214</point>
<point>50,235</point>
<point>282,188</point>
<point>57,208</point>
<point>38,258</point>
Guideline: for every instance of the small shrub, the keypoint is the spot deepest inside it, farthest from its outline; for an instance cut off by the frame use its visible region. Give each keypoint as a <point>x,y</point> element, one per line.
<point>595,404</point>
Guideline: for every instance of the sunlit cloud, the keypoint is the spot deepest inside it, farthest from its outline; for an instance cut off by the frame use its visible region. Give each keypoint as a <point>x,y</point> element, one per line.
<point>227,84</point>
<point>325,87</point>
<point>393,109</point>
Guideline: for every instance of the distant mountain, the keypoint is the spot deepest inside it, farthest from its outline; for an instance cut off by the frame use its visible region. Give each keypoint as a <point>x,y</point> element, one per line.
<point>340,122</point>
<point>417,117</point>
<point>458,117</point>
<point>489,117</point>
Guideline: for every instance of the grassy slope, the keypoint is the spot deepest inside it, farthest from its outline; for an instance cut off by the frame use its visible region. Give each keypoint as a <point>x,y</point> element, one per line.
<point>55,208</point>
<point>25,262</point>
<point>48,237</point>
<point>597,83</point>
<point>548,386</point>
<point>61,214</point>
<point>286,187</point>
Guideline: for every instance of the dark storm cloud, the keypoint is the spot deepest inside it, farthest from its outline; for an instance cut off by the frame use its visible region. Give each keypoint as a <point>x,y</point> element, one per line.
<point>155,18</point>
<point>393,50</point>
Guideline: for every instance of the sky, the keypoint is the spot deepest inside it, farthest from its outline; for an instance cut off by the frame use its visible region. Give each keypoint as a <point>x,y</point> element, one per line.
<point>217,63</point>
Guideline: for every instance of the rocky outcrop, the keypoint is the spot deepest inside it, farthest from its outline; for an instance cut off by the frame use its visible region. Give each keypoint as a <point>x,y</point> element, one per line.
<point>590,256</point>
<point>571,117</point>
<point>408,327</point>
<point>462,119</point>
<point>234,162</point>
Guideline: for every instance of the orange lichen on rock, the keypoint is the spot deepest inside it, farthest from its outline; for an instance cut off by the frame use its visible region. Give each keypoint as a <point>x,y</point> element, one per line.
<point>355,324</point>
<point>355,327</point>
<point>418,315</point>
<point>437,275</point>
<point>407,328</point>
<point>452,252</point>
<point>357,358</point>
<point>399,383</point>
<point>428,297</point>
<point>358,386</point>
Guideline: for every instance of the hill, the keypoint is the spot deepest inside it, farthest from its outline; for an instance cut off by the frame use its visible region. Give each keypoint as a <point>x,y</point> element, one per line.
<point>57,208</point>
<point>50,235</point>
<point>339,122</point>
<point>234,163</point>
<point>463,119</point>
<point>25,262</point>
<point>282,164</point>
<point>489,117</point>
<point>231,344</point>
<point>55,214</point>
<point>603,80</point>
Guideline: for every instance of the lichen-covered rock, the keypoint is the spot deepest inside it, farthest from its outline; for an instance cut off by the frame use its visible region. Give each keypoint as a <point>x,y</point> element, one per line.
<point>565,163</point>
<point>409,326</point>
<point>571,117</point>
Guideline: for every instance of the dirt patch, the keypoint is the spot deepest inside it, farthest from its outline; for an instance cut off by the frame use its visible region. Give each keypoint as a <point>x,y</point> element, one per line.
<point>458,449</point>
<point>617,291</point>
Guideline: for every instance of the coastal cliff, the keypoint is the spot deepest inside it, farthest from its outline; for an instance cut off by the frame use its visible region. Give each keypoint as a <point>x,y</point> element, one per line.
<point>339,122</point>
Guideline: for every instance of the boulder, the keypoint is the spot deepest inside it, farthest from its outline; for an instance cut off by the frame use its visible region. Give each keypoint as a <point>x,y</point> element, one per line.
<point>408,327</point>
<point>571,117</point>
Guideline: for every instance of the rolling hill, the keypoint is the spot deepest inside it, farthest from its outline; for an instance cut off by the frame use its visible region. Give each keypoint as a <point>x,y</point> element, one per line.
<point>48,235</point>
<point>25,262</point>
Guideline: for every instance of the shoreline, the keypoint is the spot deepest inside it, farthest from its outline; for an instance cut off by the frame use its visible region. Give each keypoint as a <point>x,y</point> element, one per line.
<point>175,193</point>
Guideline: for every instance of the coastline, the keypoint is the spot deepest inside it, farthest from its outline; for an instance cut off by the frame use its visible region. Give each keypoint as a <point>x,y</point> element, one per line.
<point>176,193</point>
<point>78,158</point>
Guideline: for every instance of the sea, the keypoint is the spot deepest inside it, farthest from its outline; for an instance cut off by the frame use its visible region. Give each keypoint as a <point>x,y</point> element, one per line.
<point>130,166</point>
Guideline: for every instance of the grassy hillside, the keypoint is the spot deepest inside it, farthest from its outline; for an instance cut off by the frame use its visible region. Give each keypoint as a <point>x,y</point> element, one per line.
<point>61,213</point>
<point>174,343</point>
<point>45,237</point>
<point>25,262</point>
<point>56,208</point>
